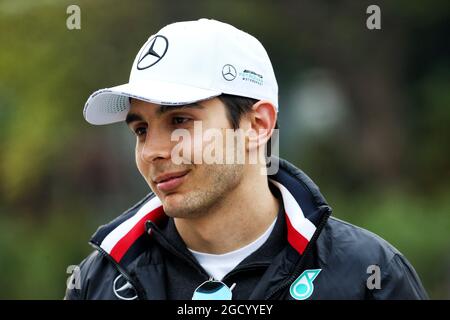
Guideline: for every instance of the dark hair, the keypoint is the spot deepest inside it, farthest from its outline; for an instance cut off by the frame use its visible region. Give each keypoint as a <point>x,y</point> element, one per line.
<point>238,106</point>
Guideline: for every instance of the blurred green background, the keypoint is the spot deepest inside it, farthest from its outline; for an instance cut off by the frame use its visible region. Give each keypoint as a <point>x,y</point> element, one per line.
<point>365,113</point>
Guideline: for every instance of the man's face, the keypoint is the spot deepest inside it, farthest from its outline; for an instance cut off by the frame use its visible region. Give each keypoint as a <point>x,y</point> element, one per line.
<point>191,188</point>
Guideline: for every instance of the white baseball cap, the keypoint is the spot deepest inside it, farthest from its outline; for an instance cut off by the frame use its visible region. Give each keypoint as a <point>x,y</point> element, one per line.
<point>186,62</point>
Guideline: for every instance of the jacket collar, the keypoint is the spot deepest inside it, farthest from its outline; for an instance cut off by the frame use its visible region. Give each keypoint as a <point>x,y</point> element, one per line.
<point>124,238</point>
<point>167,236</point>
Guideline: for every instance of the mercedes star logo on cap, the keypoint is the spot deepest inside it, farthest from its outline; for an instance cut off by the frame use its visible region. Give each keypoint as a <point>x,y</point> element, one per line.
<point>229,72</point>
<point>153,52</point>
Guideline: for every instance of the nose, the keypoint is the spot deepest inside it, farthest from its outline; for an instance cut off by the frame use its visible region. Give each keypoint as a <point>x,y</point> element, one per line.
<point>157,146</point>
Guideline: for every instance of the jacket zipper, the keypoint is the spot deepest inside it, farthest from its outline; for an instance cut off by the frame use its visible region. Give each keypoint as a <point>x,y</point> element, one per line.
<point>299,267</point>
<point>139,290</point>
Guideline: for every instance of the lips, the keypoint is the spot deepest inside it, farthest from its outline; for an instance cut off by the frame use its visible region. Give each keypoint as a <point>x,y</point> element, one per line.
<point>170,181</point>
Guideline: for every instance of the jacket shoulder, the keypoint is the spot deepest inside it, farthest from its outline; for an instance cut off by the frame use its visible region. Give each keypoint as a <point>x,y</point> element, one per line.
<point>89,273</point>
<point>340,238</point>
<point>366,264</point>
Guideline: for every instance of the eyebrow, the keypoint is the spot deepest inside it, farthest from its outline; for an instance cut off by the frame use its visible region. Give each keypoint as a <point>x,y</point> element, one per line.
<point>166,108</point>
<point>131,117</point>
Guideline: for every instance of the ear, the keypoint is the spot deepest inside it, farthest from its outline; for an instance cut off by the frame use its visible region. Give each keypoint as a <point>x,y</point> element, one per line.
<point>262,122</point>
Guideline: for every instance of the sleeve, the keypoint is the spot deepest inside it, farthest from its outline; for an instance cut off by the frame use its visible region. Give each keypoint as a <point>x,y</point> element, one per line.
<point>399,281</point>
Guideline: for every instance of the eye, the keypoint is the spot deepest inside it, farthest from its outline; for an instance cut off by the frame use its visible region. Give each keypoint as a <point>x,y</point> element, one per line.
<point>140,131</point>
<point>180,120</point>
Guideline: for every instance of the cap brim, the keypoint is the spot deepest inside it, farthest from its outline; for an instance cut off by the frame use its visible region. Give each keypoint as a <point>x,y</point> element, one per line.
<point>111,105</point>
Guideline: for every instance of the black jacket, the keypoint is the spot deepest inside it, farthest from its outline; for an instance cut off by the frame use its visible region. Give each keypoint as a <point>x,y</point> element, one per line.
<point>308,255</point>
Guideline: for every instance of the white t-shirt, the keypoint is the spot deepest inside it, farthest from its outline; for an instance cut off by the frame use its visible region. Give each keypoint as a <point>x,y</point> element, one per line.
<point>218,265</point>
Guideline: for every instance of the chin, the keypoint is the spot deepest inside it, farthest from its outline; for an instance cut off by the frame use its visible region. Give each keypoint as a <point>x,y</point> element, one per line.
<point>173,203</point>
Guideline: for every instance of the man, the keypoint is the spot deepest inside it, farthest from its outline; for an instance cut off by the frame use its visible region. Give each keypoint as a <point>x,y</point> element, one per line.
<point>222,229</point>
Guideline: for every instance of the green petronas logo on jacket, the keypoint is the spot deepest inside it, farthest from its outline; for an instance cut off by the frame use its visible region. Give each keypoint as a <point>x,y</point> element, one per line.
<point>303,287</point>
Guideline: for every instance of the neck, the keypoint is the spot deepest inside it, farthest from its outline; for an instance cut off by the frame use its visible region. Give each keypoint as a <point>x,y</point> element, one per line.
<point>235,221</point>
